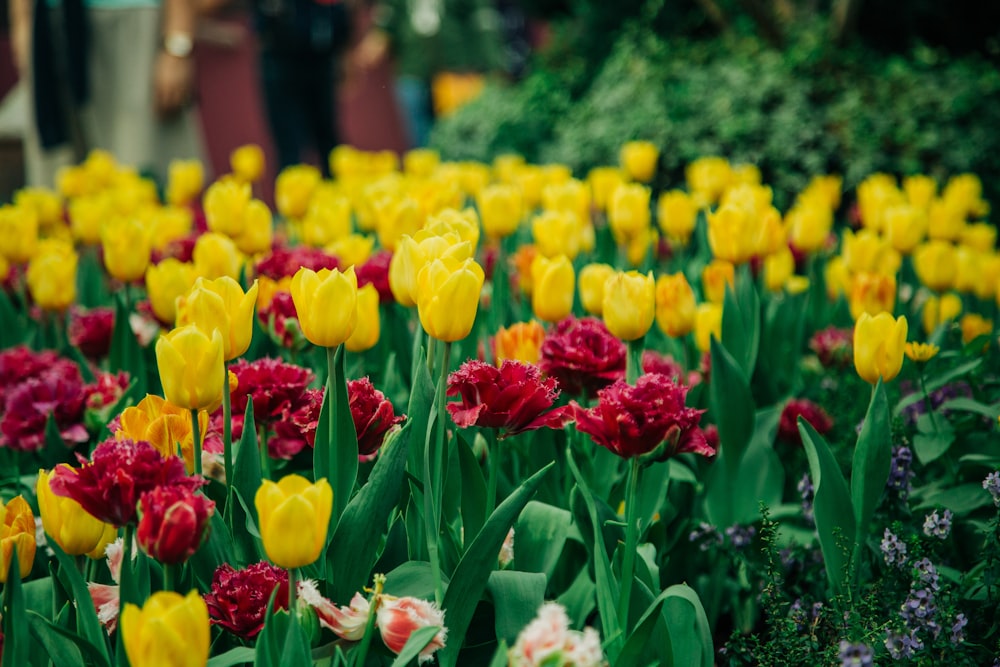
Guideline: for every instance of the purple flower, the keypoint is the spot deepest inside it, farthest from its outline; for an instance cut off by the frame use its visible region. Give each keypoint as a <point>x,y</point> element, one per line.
<point>706,536</point>
<point>855,655</point>
<point>938,526</point>
<point>902,646</point>
<point>740,536</point>
<point>927,574</point>
<point>992,484</point>
<point>900,474</point>
<point>957,629</point>
<point>808,493</point>
<point>893,549</point>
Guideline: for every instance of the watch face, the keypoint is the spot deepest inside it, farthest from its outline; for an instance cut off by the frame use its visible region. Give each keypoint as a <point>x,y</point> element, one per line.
<point>178,45</point>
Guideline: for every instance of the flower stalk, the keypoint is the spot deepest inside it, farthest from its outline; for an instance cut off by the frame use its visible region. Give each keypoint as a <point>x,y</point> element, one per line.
<point>631,539</point>
<point>196,442</point>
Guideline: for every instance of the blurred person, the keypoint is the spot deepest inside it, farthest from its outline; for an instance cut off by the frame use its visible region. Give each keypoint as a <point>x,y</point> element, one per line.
<point>301,42</point>
<point>116,75</point>
<point>428,39</point>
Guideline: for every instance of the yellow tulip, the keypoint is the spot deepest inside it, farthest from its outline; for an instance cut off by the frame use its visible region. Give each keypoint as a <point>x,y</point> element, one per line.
<point>675,305</point>
<point>879,342</point>
<point>973,326</point>
<point>837,278</point>
<point>730,233</point>
<point>716,275</point>
<point>51,275</point>
<point>963,193</point>
<point>638,247</point>
<point>778,269</point>
<point>421,162</point>
<point>552,287</point>
<point>413,253</point>
<point>530,178</point>
<point>4,268</point>
<point>707,325</point>
<point>876,194</point>
<point>980,236</point>
<point>920,190</point>
<point>258,229</point>
<point>639,158</point>
<point>568,195</point>
<point>164,425</point>
<point>603,182</point>
<point>109,535</point>
<point>867,252</point>
<point>170,629</point>
<point>247,163</point>
<point>628,214</point>
<point>165,282</point>
<point>989,276</point>
<point>189,363</point>
<point>935,264</point>
<point>17,528</point>
<point>294,518</point>
<point>505,166</point>
<point>225,206</point>
<point>221,304</point>
<point>872,293</point>
<point>809,226</point>
<point>353,249</point>
<point>905,227</point>
<point>592,280</point>
<point>47,205</point>
<point>396,217</point>
<point>968,269</point>
<point>127,248</point>
<point>472,177</point>
<point>629,304</point>
<point>825,189</point>
<point>367,332</point>
<point>676,214</point>
<point>501,209</point>
<point>465,223</point>
<point>18,233</point>
<point>521,341</point>
<point>185,180</point>
<point>65,521</point>
<point>215,255</point>
<point>556,173</point>
<point>938,310</point>
<point>946,220</point>
<point>327,220</point>
<point>327,304</point>
<point>558,233</point>
<point>168,224</point>
<point>294,189</point>
<point>708,178</point>
<point>448,293</point>
<point>86,215</point>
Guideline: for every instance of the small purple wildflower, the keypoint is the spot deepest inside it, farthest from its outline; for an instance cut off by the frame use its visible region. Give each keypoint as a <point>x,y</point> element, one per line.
<point>927,574</point>
<point>706,535</point>
<point>893,549</point>
<point>740,536</point>
<point>992,484</point>
<point>855,655</point>
<point>900,474</point>
<point>938,525</point>
<point>808,493</point>
<point>902,646</point>
<point>958,629</point>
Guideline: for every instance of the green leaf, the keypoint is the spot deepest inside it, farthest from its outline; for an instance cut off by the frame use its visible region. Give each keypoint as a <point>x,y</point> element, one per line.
<point>16,329</point>
<point>272,636</point>
<point>214,551</point>
<point>963,404</point>
<point>832,507</point>
<point>741,322</point>
<point>732,406</point>
<point>16,646</point>
<point>246,481</point>
<point>960,499</point>
<point>233,657</point>
<point>353,549</point>
<point>500,657</point>
<point>473,490</point>
<point>335,454</point>
<point>935,383</point>
<point>471,575</point>
<point>126,354</point>
<point>87,650</point>
<point>55,451</point>
<point>539,536</point>
<point>90,280</point>
<point>60,648</point>
<point>417,642</point>
<point>638,644</point>
<point>931,446</point>
<point>517,597</point>
<point>419,410</point>
<point>414,579</point>
<point>87,624</point>
<point>295,649</point>
<point>872,460</point>
<point>690,635</point>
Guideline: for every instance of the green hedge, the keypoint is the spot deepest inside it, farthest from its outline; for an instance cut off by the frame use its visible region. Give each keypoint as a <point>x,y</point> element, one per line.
<point>805,110</point>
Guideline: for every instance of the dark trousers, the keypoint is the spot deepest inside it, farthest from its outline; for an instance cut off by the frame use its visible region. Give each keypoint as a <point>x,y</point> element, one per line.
<point>299,94</point>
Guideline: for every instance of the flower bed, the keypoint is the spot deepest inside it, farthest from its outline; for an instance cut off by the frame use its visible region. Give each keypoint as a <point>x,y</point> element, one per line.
<point>492,414</point>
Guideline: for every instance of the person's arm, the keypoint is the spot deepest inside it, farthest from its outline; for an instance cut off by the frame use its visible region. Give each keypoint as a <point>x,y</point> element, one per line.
<point>19,13</point>
<point>173,78</point>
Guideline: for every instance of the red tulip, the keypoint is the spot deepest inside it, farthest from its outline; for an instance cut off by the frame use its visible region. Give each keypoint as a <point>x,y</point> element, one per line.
<point>648,419</point>
<point>373,415</point>
<point>788,427</point>
<point>398,618</point>
<point>90,331</point>
<point>583,356</point>
<point>239,598</point>
<point>513,398</point>
<point>174,522</point>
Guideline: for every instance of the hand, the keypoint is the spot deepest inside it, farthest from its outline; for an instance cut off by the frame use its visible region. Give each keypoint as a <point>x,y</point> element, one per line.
<point>173,81</point>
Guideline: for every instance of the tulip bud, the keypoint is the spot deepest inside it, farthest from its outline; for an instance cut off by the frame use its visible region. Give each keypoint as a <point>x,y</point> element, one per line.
<point>639,158</point>
<point>464,223</point>
<point>866,251</point>
<point>716,275</point>
<point>185,180</point>
<point>778,268</point>
<point>707,325</point>
<point>396,217</point>
<point>348,623</point>
<point>65,521</point>
<point>809,224</point>
<point>294,519</point>
<point>17,528</point>
<point>164,425</point>
<point>448,297</point>
<point>328,219</point>
<point>501,209</point>
<point>51,275</point>
<point>421,162</point>
<point>247,163</point>
<point>258,230</point>
<point>398,618</point>
<point>221,304</point>
<point>974,325</point>
<point>352,250</point>
<point>629,304</point>
<point>173,522</point>
<point>18,233</point>
<point>165,283</point>
<point>905,227</point>
<point>878,346</point>
<point>603,182</point>
<point>730,233</point>
<point>294,188</point>
<point>676,214</point>
<point>592,280</point>
<point>327,304</point>
<point>675,305</point>
<point>981,236</point>
<point>552,287</point>
<point>225,206</point>
<point>628,214</point>
<point>215,255</point>
<point>126,247</point>
<point>557,233</point>
<point>872,293</point>
<point>938,310</point>
<point>189,363</point>
<point>366,334</point>
<point>522,341</point>
<point>168,624</point>
<point>920,190</point>
<point>935,264</point>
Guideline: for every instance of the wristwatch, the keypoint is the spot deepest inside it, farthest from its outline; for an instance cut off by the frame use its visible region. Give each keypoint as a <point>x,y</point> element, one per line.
<point>178,44</point>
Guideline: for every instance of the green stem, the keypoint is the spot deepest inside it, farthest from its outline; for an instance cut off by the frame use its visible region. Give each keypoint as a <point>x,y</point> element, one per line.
<point>927,398</point>
<point>196,442</point>
<point>265,459</point>
<point>633,360</point>
<point>631,539</point>
<point>227,432</point>
<point>373,603</point>
<point>169,577</point>
<point>293,583</point>
<point>493,458</point>
<point>433,466</point>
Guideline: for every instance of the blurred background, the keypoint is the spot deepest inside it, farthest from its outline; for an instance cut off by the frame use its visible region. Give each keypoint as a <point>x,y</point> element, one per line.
<point>797,87</point>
